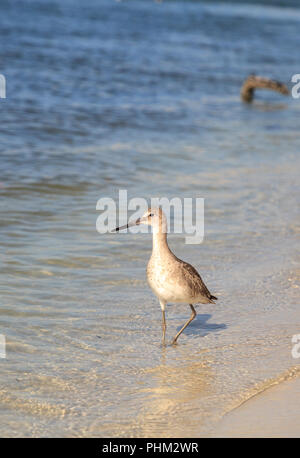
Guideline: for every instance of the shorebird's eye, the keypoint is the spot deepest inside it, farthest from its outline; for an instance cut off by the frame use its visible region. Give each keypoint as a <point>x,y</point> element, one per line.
<point>151,214</point>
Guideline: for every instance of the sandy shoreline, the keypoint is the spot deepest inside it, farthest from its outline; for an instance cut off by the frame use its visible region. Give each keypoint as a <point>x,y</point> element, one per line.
<point>273,413</point>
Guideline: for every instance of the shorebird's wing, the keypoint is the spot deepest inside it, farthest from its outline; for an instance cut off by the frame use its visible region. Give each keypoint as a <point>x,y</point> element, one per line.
<point>195,282</point>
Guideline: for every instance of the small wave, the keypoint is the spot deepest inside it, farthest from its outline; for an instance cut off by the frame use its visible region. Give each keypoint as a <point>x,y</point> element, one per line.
<point>289,374</point>
<point>31,406</point>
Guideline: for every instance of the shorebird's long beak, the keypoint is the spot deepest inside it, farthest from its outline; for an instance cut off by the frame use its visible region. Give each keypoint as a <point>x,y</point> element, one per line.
<point>133,223</point>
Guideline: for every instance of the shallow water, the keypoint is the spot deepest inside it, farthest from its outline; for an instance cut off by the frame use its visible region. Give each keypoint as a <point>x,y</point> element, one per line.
<point>144,97</point>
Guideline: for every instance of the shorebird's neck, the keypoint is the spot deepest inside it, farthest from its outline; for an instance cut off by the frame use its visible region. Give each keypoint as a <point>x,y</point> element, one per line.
<point>159,242</point>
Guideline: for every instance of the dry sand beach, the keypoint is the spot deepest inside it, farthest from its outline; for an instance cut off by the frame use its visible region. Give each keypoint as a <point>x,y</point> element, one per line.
<point>272,413</point>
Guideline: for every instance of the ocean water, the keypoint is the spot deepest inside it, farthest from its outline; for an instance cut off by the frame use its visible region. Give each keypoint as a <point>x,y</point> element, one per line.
<point>144,96</point>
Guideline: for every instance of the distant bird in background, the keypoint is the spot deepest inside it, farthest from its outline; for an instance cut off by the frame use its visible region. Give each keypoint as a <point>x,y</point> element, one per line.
<point>171,279</point>
<point>257,82</point>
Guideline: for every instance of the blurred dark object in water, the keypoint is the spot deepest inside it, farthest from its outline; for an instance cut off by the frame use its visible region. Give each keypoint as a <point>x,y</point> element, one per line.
<point>257,82</point>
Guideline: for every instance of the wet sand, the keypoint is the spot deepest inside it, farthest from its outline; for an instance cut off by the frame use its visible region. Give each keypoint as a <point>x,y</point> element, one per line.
<point>273,413</point>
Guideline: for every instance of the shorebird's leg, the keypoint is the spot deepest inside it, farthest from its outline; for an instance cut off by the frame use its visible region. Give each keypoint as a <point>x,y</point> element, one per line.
<point>186,324</point>
<point>164,326</point>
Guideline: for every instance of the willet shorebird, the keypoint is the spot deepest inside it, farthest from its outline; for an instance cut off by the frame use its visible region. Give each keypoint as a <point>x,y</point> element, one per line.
<point>257,82</point>
<point>171,279</point>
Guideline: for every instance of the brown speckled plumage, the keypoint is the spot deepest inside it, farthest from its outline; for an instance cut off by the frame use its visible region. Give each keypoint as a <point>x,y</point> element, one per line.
<point>171,279</point>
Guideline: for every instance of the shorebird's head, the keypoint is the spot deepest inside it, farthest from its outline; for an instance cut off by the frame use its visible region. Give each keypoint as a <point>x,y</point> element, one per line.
<point>154,217</point>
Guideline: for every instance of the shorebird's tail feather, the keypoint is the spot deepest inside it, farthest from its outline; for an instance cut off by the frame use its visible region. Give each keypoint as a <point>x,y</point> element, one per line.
<point>213,298</point>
